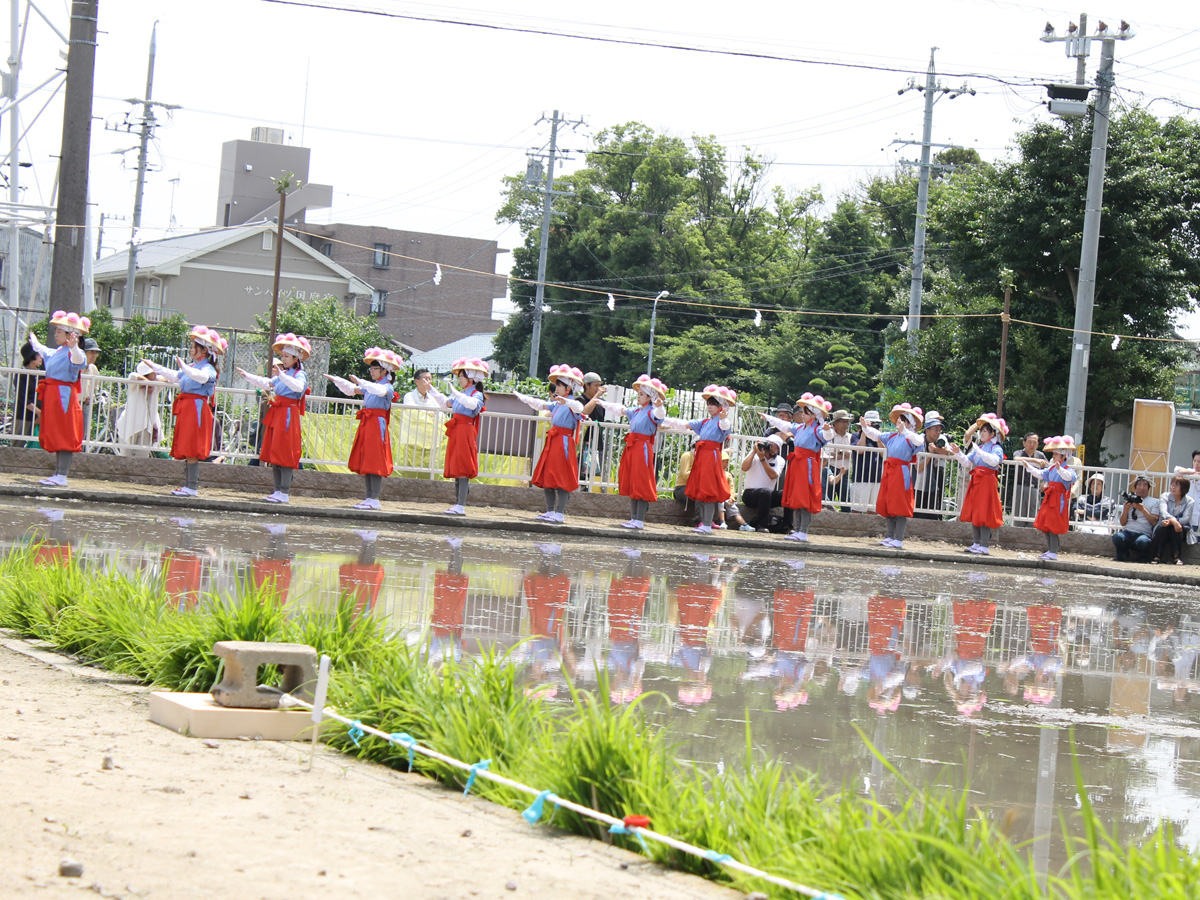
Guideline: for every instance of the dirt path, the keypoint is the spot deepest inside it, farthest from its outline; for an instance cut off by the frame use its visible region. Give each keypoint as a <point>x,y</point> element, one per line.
<point>182,817</point>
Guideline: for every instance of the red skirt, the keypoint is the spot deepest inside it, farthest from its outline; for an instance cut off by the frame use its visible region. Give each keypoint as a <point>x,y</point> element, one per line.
<point>277,573</point>
<point>62,428</point>
<point>193,427</point>
<point>449,603</point>
<point>626,603</point>
<point>558,466</point>
<point>973,621</point>
<point>897,497</point>
<point>802,483</point>
<point>635,477</point>
<point>707,483</point>
<point>982,506</point>
<point>362,581</point>
<point>182,573</point>
<point>547,597</point>
<point>462,447</point>
<point>281,433</point>
<point>885,624</point>
<point>1045,622</point>
<point>372,450</point>
<point>791,616</point>
<point>1054,516</point>
<point>697,605</point>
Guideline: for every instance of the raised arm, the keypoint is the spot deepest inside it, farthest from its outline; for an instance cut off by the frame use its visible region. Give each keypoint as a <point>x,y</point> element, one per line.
<point>291,382</point>
<point>779,424</point>
<point>465,399</point>
<point>346,387</point>
<point>533,403</point>
<point>41,349</point>
<point>259,381</point>
<point>169,375</point>
<point>375,388</point>
<point>615,408</point>
<point>198,374</point>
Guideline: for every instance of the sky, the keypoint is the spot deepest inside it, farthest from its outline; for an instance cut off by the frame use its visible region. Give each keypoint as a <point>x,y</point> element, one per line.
<point>414,122</point>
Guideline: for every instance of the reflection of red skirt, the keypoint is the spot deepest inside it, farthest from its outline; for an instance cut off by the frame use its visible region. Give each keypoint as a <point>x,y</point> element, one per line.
<point>707,482</point>
<point>791,616</point>
<point>547,597</point>
<point>697,604</point>
<point>896,494</point>
<point>802,483</point>
<point>981,506</point>
<point>449,603</point>
<point>885,622</point>
<point>193,427</point>
<point>182,573</point>
<point>462,447</point>
<point>281,433</point>
<point>62,429</point>
<point>275,572</point>
<point>626,603</point>
<point>972,622</point>
<point>1045,623</point>
<point>558,466</point>
<point>362,581</point>
<point>372,450</point>
<point>635,477</point>
<point>1053,516</point>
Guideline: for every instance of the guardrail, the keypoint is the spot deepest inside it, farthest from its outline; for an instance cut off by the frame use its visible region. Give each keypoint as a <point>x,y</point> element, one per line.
<point>133,418</point>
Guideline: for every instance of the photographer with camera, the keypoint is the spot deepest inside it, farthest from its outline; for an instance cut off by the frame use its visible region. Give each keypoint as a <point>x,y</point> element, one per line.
<point>1139,515</point>
<point>762,486</point>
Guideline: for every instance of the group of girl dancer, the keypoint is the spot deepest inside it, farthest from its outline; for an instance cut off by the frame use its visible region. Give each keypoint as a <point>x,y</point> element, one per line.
<point>557,469</point>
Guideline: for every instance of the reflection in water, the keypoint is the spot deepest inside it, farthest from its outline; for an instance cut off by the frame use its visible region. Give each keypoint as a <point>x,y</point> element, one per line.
<point>958,678</point>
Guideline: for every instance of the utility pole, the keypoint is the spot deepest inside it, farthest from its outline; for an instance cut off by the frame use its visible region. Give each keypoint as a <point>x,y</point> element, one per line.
<point>1078,45</point>
<point>285,182</point>
<point>11,82</point>
<point>548,193</point>
<point>66,272</point>
<point>931,89</point>
<point>147,128</point>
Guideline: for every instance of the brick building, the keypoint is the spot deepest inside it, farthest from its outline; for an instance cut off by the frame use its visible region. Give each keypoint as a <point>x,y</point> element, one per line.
<point>400,266</point>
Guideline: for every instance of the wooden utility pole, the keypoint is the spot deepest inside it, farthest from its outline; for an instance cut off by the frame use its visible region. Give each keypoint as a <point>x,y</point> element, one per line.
<point>66,272</point>
<point>282,184</point>
<point>1004,319</point>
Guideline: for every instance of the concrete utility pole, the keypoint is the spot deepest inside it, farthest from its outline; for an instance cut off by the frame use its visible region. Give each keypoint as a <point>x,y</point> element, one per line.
<point>548,194</point>
<point>931,89</point>
<point>11,82</point>
<point>1078,45</point>
<point>66,272</point>
<point>147,128</point>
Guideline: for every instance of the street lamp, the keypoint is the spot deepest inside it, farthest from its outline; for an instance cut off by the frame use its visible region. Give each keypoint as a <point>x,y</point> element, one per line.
<point>653,322</point>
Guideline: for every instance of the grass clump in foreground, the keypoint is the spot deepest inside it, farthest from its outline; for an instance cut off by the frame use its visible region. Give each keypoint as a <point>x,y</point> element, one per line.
<point>589,751</point>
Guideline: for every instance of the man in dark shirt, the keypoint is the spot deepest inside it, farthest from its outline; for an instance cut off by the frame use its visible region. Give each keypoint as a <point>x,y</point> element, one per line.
<point>1026,490</point>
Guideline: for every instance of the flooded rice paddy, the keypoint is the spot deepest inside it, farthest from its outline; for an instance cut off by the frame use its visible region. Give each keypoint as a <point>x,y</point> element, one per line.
<point>958,677</point>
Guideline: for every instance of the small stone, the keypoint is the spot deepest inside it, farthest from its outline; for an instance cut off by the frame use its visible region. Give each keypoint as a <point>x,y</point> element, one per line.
<point>69,868</point>
<point>467,833</point>
<point>106,763</point>
<point>245,796</point>
<point>510,886</point>
<point>624,865</point>
<point>321,872</point>
<point>191,853</point>
<point>212,745</point>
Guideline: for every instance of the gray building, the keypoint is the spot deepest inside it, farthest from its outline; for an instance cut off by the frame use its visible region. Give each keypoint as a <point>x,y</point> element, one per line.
<point>401,267</point>
<point>222,277</point>
<point>246,192</point>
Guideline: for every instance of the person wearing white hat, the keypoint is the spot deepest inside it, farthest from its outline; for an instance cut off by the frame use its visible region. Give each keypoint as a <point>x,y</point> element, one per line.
<point>1054,516</point>
<point>803,486</point>
<point>931,468</point>
<point>467,403</point>
<point>62,415</point>
<point>1093,506</point>
<point>636,477</point>
<point>1193,476</point>
<point>557,469</point>
<point>762,488</point>
<point>288,387</point>
<point>708,483</point>
<point>981,505</point>
<point>192,437</point>
<point>371,453</point>
<point>897,496</point>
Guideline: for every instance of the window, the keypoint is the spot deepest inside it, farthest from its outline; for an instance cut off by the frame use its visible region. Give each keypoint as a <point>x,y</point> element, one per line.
<point>268,240</point>
<point>327,249</point>
<point>115,295</point>
<point>151,296</point>
<point>383,254</point>
<point>378,303</point>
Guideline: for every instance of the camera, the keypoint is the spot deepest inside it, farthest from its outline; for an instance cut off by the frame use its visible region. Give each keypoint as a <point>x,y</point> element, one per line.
<point>1130,497</point>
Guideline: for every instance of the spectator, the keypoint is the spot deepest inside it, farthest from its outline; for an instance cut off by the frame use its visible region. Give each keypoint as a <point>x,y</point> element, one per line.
<point>421,395</point>
<point>837,470</point>
<point>681,477</point>
<point>1138,518</point>
<point>594,443</point>
<point>1193,475</point>
<point>27,412</point>
<point>1093,506</point>
<point>1173,529</point>
<point>1025,488</point>
<point>786,412</point>
<point>140,423</point>
<point>868,467</point>
<point>87,383</point>
<point>762,488</point>
<point>931,470</point>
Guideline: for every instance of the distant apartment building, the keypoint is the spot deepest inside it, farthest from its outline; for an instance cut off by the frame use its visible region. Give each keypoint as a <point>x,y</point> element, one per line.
<point>246,189</point>
<point>401,266</point>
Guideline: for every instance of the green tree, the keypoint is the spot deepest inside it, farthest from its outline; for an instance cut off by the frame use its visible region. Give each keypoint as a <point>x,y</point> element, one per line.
<point>1026,214</point>
<point>349,334</point>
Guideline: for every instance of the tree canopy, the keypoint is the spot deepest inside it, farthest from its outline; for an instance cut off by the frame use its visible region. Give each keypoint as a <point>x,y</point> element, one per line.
<point>349,334</point>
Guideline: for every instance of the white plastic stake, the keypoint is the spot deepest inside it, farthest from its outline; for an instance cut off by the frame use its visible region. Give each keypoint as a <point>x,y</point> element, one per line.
<point>318,707</point>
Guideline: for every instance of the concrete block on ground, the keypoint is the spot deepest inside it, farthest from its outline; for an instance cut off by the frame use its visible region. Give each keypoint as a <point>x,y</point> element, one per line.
<point>198,715</point>
<point>240,688</point>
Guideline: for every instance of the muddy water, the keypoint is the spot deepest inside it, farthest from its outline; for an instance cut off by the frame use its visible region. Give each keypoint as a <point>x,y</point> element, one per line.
<point>956,676</point>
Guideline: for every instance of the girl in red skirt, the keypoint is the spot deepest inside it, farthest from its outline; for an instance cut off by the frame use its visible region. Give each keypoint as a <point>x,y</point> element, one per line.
<point>981,506</point>
<point>467,405</point>
<point>636,478</point>
<point>802,484</point>
<point>707,484</point>
<point>557,470</point>
<point>897,495</point>
<point>281,424</point>
<point>371,454</point>
<point>1054,515</point>
<point>62,416</point>
<point>193,408</point>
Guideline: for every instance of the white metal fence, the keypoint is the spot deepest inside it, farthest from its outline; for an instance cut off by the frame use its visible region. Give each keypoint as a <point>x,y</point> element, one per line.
<point>510,443</point>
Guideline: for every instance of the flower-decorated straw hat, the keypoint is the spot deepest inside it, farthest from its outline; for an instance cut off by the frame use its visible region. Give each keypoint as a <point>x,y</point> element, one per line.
<point>208,339</point>
<point>815,403</point>
<point>299,347</point>
<point>994,422</point>
<point>473,367</point>
<point>726,396</point>
<point>389,359</point>
<point>1064,442</point>
<point>914,414</point>
<point>71,321</point>
<point>650,386</point>
<point>569,374</point>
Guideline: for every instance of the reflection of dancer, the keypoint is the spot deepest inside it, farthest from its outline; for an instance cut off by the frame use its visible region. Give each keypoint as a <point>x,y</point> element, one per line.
<point>697,602</point>
<point>449,607</point>
<point>272,572</point>
<point>363,578</point>
<point>627,598</point>
<point>182,569</point>
<point>1043,662</point>
<point>964,670</point>
<point>55,548</point>
<point>791,619</point>
<point>885,670</point>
